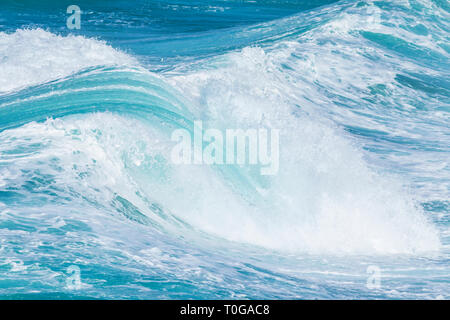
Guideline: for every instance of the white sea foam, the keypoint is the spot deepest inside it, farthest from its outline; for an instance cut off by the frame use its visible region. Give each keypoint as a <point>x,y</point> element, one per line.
<point>324,200</point>
<point>30,57</point>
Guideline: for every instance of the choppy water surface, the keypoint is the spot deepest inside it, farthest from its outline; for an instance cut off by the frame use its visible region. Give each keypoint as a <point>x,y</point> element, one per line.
<point>360,92</point>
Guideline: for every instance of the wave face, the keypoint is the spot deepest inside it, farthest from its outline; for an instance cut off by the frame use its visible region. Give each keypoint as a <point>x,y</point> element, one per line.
<point>360,94</point>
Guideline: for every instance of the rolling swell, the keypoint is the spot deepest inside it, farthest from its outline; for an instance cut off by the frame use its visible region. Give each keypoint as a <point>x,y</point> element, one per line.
<point>85,92</point>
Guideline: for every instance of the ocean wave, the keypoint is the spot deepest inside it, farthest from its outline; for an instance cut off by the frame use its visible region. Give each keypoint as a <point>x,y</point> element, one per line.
<point>360,96</point>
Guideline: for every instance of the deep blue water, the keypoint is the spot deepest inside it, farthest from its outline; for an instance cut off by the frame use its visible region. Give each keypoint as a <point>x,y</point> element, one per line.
<point>360,91</point>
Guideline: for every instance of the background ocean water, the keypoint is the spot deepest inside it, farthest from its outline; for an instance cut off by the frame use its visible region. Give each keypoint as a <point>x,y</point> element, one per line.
<point>360,92</point>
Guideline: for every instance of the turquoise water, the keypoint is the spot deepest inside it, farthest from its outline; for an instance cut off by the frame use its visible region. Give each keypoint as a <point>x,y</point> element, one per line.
<point>360,92</point>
